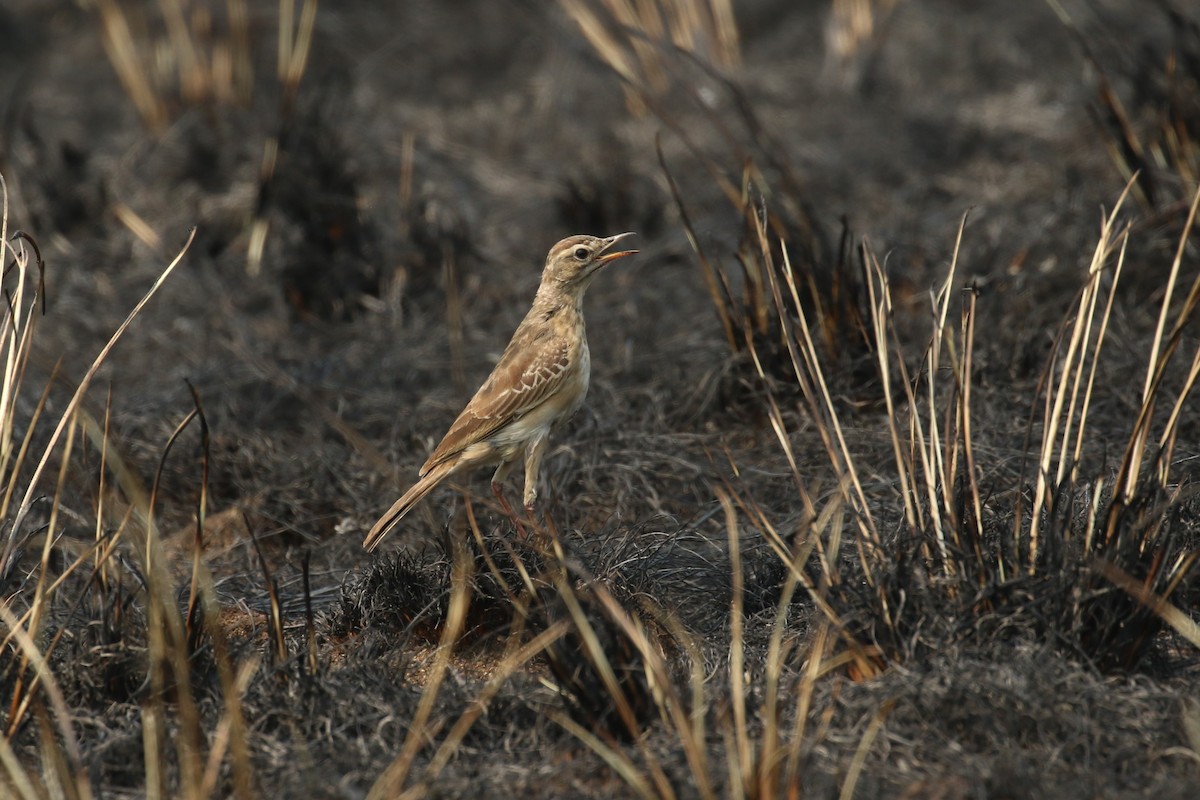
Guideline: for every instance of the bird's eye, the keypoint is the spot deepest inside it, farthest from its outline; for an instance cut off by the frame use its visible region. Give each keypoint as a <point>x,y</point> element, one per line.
<point>581,253</point>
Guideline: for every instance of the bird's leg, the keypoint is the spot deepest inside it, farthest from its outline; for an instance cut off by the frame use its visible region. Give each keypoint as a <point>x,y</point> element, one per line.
<point>505,506</point>
<point>533,463</point>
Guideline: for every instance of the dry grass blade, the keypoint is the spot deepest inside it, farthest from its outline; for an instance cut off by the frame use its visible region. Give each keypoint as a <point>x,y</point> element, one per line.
<point>804,698</point>
<point>595,652</point>
<point>33,618</point>
<point>690,729</point>
<point>124,55</point>
<point>1157,354</point>
<point>720,300</point>
<point>179,57</point>
<point>806,363</point>
<point>49,685</point>
<point>632,37</point>
<point>202,601</point>
<point>118,470</point>
<point>312,663</point>
<point>608,46</point>
<point>77,398</point>
<point>18,779</point>
<point>825,526</point>
<point>55,773</point>
<point>618,761</point>
<point>16,334</point>
<point>968,447</point>
<point>13,472</point>
<point>275,617</point>
<point>421,732</point>
<point>1184,625</point>
<point>658,675</point>
<point>1101,337</point>
<point>774,751</point>
<point>854,25</point>
<point>1166,442</point>
<point>295,45</point>
<point>1158,361</point>
<point>864,748</point>
<point>152,746</point>
<point>1159,357</point>
<point>230,733</point>
<point>138,226</point>
<point>170,672</point>
<point>737,690</point>
<point>201,516</point>
<point>1062,401</point>
<point>880,304</point>
<point>511,662</point>
<point>939,460</point>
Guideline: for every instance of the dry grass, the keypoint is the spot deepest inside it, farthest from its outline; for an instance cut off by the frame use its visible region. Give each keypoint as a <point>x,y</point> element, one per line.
<point>201,57</point>
<point>32,584</point>
<point>855,32</point>
<point>1055,572</point>
<point>189,56</point>
<point>950,532</point>
<point>1154,133</point>
<point>636,39</point>
<point>765,646</point>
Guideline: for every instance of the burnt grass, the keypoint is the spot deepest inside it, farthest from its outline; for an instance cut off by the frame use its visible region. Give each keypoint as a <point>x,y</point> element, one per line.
<point>477,134</point>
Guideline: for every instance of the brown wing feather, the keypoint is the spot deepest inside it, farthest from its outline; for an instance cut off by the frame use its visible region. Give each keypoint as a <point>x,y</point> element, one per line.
<point>523,378</point>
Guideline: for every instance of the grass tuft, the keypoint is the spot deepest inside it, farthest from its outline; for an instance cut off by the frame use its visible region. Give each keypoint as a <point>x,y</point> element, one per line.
<point>1008,557</point>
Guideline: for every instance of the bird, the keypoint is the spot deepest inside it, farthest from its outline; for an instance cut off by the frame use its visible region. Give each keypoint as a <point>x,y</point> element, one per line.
<point>538,384</point>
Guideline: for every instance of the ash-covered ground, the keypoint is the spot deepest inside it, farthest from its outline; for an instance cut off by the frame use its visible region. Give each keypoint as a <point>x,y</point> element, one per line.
<point>428,158</point>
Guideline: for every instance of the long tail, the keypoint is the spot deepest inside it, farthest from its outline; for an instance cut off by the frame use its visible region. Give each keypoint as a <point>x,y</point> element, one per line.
<point>402,506</point>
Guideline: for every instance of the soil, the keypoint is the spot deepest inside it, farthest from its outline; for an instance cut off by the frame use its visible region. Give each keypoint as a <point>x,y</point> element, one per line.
<point>430,156</point>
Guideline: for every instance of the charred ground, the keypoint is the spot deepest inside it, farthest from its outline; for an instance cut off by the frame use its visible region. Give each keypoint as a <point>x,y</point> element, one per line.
<point>427,158</point>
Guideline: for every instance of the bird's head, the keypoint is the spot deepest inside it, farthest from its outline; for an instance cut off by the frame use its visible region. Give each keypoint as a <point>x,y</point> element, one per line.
<point>573,262</point>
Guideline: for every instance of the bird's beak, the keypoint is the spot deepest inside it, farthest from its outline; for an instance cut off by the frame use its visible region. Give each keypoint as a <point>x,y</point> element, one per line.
<point>609,242</point>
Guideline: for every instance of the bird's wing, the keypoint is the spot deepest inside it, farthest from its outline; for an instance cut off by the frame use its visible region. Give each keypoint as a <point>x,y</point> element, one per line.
<point>524,378</point>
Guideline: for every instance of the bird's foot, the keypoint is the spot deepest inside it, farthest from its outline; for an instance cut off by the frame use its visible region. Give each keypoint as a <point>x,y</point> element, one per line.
<point>498,491</point>
<point>544,530</point>
<point>529,509</point>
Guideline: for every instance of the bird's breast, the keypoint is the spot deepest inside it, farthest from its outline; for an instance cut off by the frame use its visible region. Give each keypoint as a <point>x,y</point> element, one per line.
<point>575,384</point>
<point>584,376</point>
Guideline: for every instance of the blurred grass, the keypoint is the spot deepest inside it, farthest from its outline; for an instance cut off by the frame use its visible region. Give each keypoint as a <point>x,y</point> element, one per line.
<point>1089,561</point>
<point>183,56</point>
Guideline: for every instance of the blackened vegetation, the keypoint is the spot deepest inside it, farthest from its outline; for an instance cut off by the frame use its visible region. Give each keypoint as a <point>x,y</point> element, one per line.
<point>613,198</point>
<point>407,594</point>
<point>331,257</point>
<point>65,165</point>
<point>108,658</point>
<point>1154,126</point>
<point>1069,602</point>
<point>654,572</point>
<point>619,707</point>
<point>441,241</point>
<point>915,589</point>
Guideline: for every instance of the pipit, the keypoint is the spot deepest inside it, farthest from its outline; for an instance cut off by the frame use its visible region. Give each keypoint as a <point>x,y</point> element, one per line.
<point>538,384</point>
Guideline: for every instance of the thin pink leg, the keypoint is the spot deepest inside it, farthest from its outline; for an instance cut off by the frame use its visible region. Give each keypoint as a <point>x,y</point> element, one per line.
<point>498,491</point>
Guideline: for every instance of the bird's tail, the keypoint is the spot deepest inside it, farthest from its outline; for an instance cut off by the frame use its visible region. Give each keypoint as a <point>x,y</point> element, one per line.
<point>424,486</point>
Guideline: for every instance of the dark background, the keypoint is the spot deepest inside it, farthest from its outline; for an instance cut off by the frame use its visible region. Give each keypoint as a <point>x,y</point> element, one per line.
<point>428,158</point>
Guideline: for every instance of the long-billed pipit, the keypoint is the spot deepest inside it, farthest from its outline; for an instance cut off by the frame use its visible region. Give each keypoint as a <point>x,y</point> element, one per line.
<point>539,382</point>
